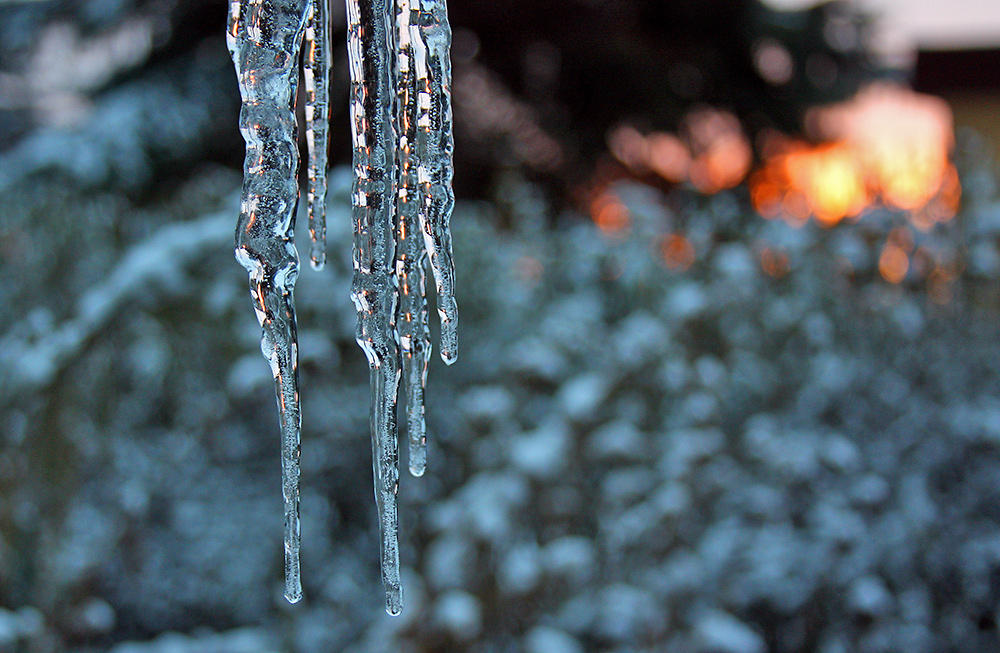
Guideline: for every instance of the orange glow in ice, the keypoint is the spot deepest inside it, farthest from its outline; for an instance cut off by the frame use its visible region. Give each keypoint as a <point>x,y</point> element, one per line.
<point>888,145</point>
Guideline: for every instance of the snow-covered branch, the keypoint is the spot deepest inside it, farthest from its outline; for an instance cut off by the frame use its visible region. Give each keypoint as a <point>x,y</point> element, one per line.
<point>33,364</point>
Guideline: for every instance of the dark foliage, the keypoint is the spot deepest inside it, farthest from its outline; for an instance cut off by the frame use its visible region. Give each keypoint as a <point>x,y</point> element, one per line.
<point>563,71</point>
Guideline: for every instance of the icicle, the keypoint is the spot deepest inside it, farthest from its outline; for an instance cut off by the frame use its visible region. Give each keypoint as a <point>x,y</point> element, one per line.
<point>434,149</point>
<point>316,69</point>
<point>411,255</point>
<point>402,201</point>
<point>375,291</point>
<point>264,38</point>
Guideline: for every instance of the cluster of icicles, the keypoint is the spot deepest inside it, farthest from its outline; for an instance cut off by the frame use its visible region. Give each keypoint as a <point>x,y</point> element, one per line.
<point>402,201</point>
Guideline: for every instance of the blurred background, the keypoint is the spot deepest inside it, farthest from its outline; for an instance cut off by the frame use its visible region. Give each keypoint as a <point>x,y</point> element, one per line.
<point>729,280</point>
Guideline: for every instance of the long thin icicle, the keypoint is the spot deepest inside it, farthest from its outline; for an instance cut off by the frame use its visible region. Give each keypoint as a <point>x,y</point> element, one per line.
<point>316,73</point>
<point>371,44</point>
<point>411,254</point>
<point>434,151</point>
<point>264,38</point>
<point>402,202</point>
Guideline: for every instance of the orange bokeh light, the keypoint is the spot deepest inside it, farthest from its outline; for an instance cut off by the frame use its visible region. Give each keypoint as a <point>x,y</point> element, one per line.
<point>889,144</point>
<point>668,156</point>
<point>721,152</point>
<point>609,213</point>
<point>678,252</point>
<point>893,263</point>
<point>774,262</point>
<point>712,153</point>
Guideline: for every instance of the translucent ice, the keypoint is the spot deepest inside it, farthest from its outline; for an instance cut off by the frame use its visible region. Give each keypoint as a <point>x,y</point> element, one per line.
<point>264,38</point>
<point>374,291</point>
<point>316,73</point>
<point>434,149</point>
<point>400,105</point>
<point>411,255</point>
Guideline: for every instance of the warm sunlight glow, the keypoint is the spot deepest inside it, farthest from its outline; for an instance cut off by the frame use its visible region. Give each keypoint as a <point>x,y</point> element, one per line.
<point>668,157</point>
<point>828,180</point>
<point>888,145</point>
<point>722,154</point>
<point>712,153</point>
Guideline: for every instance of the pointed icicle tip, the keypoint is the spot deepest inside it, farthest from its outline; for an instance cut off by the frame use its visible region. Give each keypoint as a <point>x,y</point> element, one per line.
<point>394,601</point>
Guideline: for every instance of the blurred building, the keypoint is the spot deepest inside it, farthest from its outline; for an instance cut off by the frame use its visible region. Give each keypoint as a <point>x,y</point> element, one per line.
<point>969,80</point>
<point>953,51</point>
